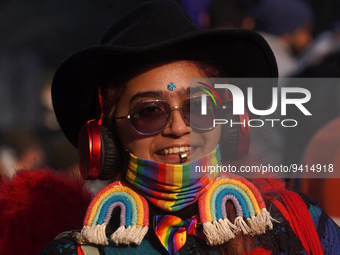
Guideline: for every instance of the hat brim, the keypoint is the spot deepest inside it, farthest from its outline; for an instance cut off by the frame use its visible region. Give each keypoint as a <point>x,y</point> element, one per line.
<point>241,53</point>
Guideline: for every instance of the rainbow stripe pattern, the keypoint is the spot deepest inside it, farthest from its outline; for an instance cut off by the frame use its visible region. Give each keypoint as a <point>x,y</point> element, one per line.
<point>172,187</point>
<point>134,215</point>
<point>252,216</point>
<point>172,231</point>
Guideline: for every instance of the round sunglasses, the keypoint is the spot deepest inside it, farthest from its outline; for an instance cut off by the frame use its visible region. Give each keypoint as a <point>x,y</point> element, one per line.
<point>152,116</point>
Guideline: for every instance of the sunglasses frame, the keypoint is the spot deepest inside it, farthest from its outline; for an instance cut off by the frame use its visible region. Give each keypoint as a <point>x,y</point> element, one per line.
<point>187,122</point>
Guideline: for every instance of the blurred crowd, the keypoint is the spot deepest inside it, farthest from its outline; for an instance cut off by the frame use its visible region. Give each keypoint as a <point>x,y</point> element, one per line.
<point>304,35</point>
<point>39,36</point>
<point>305,39</point>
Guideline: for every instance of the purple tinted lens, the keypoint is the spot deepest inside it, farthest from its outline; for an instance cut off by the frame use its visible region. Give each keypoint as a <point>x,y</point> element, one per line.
<point>192,112</point>
<point>150,117</point>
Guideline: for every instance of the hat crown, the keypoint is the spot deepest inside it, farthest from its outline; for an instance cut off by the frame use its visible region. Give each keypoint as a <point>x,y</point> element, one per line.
<point>154,32</point>
<point>151,23</point>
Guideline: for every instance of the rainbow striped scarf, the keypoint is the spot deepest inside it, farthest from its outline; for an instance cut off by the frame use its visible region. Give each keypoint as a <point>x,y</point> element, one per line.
<point>172,187</point>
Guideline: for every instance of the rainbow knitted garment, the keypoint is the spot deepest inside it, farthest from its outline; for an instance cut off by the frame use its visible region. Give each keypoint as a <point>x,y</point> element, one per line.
<point>134,215</point>
<point>172,187</point>
<point>252,216</point>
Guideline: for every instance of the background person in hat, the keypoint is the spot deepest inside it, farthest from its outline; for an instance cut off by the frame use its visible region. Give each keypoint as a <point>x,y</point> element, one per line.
<point>135,88</point>
<point>287,26</point>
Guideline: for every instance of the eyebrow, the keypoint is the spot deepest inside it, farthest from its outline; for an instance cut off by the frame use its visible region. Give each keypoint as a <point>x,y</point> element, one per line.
<point>159,94</point>
<point>150,94</point>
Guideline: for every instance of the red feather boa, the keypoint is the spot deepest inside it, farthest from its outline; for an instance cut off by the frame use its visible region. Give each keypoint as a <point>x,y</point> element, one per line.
<point>36,206</point>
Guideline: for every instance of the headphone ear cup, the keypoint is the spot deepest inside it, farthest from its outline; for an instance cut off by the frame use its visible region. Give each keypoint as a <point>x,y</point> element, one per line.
<point>112,156</point>
<point>100,156</point>
<point>89,150</point>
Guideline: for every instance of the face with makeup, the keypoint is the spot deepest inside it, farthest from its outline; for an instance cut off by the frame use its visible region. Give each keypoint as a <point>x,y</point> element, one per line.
<point>177,136</point>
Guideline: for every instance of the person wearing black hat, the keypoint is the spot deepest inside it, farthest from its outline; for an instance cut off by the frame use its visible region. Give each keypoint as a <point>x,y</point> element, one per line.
<point>128,107</point>
<point>287,26</point>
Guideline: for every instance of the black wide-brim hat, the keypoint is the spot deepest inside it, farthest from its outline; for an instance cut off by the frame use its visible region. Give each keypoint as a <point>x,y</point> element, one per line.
<point>155,31</point>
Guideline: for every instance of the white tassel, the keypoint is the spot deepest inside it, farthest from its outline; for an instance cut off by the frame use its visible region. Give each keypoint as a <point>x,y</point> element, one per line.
<point>218,232</point>
<point>141,232</point>
<point>210,233</point>
<point>125,238</point>
<point>260,222</point>
<point>225,231</point>
<point>131,234</point>
<point>95,234</point>
<point>235,229</point>
<point>117,236</point>
<point>84,233</point>
<point>242,225</point>
<point>253,226</point>
<point>268,218</point>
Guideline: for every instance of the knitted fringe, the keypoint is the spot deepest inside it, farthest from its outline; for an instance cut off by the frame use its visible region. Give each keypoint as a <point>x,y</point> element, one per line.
<point>242,225</point>
<point>260,222</point>
<point>221,231</point>
<point>96,234</point>
<point>131,234</point>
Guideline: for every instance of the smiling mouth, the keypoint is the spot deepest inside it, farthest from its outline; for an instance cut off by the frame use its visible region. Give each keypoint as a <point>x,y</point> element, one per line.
<point>175,150</point>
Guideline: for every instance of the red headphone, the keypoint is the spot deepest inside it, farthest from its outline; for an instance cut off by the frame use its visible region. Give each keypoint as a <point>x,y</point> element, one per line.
<point>89,149</point>
<point>101,156</point>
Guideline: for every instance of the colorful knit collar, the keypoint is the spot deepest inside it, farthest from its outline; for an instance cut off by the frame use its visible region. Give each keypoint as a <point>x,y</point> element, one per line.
<point>172,187</point>
<point>252,218</point>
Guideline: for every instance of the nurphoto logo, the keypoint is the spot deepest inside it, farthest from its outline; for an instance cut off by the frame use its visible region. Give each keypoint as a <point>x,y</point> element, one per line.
<point>239,103</point>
